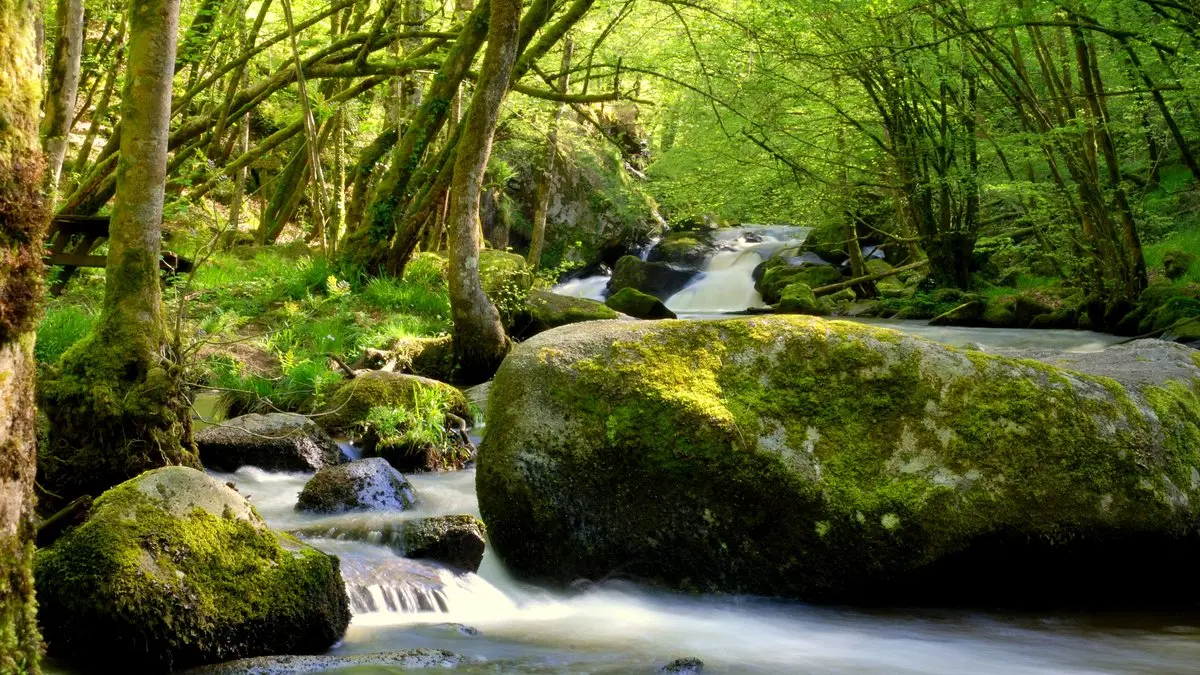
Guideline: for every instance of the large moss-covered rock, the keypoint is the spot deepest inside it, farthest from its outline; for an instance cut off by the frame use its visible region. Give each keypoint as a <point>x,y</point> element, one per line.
<point>798,298</point>
<point>350,403</point>
<point>639,305</point>
<point>662,280</point>
<point>174,569</point>
<point>834,461</point>
<point>546,310</point>
<point>273,442</point>
<point>365,485</point>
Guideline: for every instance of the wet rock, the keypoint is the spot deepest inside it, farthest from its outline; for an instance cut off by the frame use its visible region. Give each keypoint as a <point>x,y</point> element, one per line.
<point>409,659</point>
<point>662,280</point>
<point>173,569</point>
<point>274,442</point>
<point>869,466</point>
<point>687,666</point>
<point>364,485</point>
<point>546,310</point>
<point>688,248</point>
<point>779,273</point>
<point>457,541</point>
<point>639,305</point>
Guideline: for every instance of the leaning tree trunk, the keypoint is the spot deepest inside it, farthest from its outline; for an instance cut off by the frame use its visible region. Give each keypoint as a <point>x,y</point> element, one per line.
<point>22,220</point>
<point>64,85</point>
<point>116,402</point>
<point>479,340</point>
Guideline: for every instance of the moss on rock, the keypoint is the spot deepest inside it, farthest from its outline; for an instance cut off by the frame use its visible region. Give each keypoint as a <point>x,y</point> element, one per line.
<point>798,298</point>
<point>350,403</point>
<point>174,569</point>
<point>546,310</point>
<point>834,461</point>
<point>662,280</point>
<point>778,275</point>
<point>639,305</point>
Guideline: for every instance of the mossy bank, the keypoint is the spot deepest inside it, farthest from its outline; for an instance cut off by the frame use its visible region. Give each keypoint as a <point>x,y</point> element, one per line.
<point>826,460</point>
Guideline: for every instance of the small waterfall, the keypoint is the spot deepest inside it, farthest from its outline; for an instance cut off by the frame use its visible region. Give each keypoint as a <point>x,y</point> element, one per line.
<point>592,288</point>
<point>727,284</point>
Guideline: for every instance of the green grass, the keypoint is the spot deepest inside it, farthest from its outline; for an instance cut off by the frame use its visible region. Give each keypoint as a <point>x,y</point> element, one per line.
<point>1184,240</point>
<point>63,326</point>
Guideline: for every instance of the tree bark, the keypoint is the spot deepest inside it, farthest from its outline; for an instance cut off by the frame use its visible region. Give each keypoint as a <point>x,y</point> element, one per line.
<point>116,402</point>
<point>62,89</point>
<point>22,223</point>
<point>542,205</point>
<point>479,340</point>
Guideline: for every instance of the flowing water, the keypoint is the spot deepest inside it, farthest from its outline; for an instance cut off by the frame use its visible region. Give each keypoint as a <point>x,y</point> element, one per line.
<point>504,626</point>
<point>622,628</point>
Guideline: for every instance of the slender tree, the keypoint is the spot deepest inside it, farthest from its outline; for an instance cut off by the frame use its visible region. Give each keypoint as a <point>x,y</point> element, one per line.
<point>63,87</point>
<point>116,403</point>
<point>479,340</point>
<point>22,220</point>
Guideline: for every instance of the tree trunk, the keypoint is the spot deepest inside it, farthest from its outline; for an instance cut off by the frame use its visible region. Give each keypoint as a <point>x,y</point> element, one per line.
<point>542,205</point>
<point>479,340</point>
<point>116,403</point>
<point>101,111</point>
<point>22,220</point>
<point>62,88</point>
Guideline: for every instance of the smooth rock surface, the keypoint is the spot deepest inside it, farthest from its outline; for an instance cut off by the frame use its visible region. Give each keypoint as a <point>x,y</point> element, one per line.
<point>272,442</point>
<point>363,485</point>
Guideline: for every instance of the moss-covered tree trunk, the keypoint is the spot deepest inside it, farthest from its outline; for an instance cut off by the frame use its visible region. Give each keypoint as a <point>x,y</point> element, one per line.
<point>62,88</point>
<point>479,340</point>
<point>22,221</point>
<point>116,403</point>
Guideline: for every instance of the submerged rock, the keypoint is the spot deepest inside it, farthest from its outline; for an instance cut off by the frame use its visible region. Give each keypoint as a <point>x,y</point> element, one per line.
<point>365,485</point>
<point>639,305</point>
<point>833,461</point>
<point>173,569</point>
<point>662,280</point>
<point>688,666</point>
<point>273,442</point>
<point>457,541</point>
<point>409,659</point>
<point>546,310</point>
<point>349,404</point>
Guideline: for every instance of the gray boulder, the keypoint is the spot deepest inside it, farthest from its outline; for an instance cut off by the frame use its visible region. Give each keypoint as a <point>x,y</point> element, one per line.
<point>457,541</point>
<point>364,485</point>
<point>834,461</point>
<point>662,280</point>
<point>274,442</point>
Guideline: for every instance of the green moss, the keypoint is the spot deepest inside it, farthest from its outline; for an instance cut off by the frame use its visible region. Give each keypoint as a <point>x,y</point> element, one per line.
<point>351,403</point>
<point>778,275</point>
<point>638,305</point>
<point>803,457</point>
<point>798,298</point>
<point>546,310</point>
<point>158,586</point>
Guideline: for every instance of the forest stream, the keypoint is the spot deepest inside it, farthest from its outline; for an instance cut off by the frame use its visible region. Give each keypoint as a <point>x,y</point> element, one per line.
<point>622,627</point>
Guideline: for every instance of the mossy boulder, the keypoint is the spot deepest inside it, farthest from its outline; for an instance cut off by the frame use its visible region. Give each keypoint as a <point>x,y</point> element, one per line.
<point>457,541</point>
<point>273,442</point>
<point>662,280</point>
<point>639,305</point>
<point>833,461</point>
<point>779,273</point>
<point>500,272</point>
<point>546,310</point>
<point>350,403</point>
<point>690,248</point>
<point>1177,263</point>
<point>173,569</point>
<point>427,357</point>
<point>365,485</point>
<point>798,298</point>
